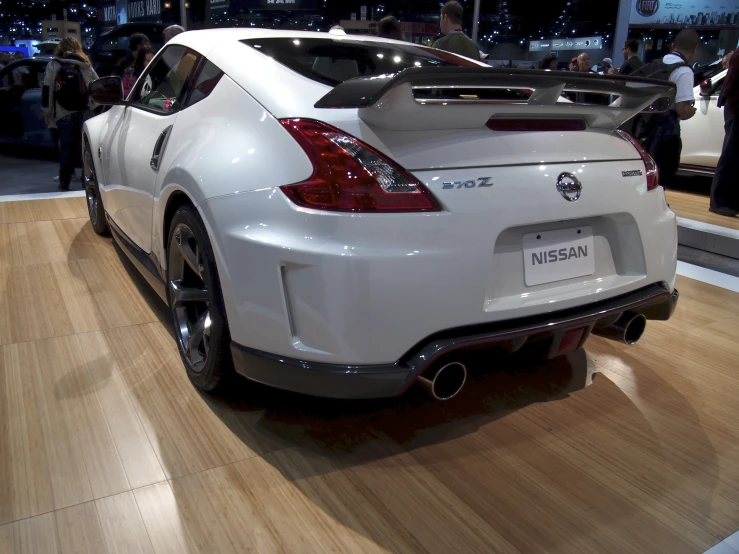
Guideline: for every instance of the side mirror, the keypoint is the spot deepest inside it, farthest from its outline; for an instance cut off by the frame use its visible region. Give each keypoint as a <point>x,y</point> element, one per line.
<point>706,87</point>
<point>107,91</point>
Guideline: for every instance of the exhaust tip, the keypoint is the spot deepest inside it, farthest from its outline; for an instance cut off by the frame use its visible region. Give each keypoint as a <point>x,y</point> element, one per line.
<point>635,329</point>
<point>446,383</point>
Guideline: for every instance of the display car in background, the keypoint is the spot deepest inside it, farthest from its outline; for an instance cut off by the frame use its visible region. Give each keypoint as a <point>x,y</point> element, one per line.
<point>111,47</point>
<point>703,134</point>
<point>20,103</point>
<point>345,216</point>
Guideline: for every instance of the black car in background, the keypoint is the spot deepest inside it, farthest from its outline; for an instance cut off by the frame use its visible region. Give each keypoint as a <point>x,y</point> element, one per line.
<point>110,48</point>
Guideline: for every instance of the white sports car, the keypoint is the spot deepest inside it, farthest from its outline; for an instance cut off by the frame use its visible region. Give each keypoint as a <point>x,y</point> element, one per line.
<point>345,216</point>
<point>703,134</point>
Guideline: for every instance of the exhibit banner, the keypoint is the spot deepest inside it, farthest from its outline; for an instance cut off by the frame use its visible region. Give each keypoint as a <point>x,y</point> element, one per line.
<point>678,13</point>
<point>582,43</point>
<point>145,10</point>
<point>289,4</point>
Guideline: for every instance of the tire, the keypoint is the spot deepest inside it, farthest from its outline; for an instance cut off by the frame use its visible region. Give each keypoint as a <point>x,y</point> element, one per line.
<point>196,302</point>
<point>95,207</point>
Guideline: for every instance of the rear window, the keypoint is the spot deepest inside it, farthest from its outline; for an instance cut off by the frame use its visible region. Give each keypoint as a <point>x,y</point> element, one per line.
<point>332,62</point>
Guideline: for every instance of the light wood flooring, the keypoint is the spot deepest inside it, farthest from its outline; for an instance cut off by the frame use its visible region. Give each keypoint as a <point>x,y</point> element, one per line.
<point>106,448</point>
<point>695,206</point>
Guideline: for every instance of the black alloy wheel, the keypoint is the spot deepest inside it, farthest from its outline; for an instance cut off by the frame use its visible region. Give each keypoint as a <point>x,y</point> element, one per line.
<point>194,295</point>
<point>92,194</point>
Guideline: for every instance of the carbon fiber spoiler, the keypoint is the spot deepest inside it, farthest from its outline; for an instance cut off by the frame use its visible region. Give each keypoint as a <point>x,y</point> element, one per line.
<point>389,101</point>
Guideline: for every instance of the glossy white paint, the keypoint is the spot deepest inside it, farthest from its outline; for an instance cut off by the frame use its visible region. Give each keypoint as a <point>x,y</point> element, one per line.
<point>364,288</point>
<point>703,134</point>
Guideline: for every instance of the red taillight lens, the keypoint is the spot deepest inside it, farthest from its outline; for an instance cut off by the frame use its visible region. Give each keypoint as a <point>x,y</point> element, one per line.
<point>350,176</point>
<point>650,166</point>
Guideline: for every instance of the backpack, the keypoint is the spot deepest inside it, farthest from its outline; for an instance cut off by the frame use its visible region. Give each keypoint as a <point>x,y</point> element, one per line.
<point>643,125</point>
<point>70,90</point>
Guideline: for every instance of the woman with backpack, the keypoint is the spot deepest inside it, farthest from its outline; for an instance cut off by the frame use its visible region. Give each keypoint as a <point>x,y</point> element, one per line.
<point>65,100</point>
<point>134,71</point>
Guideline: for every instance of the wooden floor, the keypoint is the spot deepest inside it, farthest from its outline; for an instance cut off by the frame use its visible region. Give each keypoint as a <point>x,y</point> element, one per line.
<point>695,207</point>
<point>106,448</point>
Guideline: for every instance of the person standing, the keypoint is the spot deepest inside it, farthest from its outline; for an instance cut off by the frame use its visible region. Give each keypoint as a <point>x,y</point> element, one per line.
<point>549,62</point>
<point>131,75</point>
<point>454,39</point>
<point>388,27</point>
<point>725,185</point>
<point>172,31</point>
<point>659,133</point>
<point>583,63</point>
<point>605,66</point>
<point>65,100</point>
<point>631,55</point>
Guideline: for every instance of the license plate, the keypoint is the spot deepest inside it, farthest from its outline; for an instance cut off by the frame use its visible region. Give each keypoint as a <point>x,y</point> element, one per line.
<point>552,256</point>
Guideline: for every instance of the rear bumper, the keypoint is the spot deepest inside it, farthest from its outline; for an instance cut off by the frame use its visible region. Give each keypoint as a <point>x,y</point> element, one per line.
<point>655,302</point>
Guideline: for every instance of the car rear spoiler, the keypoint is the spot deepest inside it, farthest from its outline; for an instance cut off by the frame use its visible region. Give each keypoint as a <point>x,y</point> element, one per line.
<point>389,102</point>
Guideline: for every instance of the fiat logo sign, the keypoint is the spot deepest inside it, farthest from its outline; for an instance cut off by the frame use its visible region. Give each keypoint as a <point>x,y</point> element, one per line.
<point>647,8</point>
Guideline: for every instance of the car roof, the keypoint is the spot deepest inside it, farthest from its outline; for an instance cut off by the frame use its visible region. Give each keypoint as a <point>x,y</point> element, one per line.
<point>35,59</point>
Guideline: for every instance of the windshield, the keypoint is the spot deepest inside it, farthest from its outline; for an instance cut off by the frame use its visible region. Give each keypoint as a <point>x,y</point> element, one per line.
<point>333,61</point>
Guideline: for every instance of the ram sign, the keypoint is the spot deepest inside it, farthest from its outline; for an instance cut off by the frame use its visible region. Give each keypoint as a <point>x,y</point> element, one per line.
<point>679,13</point>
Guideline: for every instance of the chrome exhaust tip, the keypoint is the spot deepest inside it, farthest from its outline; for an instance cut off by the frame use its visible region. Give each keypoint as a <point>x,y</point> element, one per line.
<point>628,329</point>
<point>446,382</point>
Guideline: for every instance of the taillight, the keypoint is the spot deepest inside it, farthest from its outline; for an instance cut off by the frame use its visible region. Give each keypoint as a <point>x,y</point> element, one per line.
<point>650,166</point>
<point>350,176</point>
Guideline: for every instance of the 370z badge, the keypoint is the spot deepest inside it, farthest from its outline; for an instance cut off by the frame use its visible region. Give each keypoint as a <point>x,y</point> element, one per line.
<point>634,173</point>
<point>481,182</point>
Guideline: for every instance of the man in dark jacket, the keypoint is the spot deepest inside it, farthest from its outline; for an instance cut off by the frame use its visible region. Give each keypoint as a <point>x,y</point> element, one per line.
<point>725,186</point>
<point>454,40</point>
<point>631,55</point>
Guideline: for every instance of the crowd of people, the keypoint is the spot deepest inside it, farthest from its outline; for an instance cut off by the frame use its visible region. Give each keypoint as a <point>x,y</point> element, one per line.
<point>65,99</point>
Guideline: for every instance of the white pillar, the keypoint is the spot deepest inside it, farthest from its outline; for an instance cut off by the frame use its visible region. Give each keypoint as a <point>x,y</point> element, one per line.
<point>475,18</point>
<point>621,32</point>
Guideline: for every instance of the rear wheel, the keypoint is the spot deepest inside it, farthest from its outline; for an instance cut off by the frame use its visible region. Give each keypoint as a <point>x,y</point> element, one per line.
<point>95,207</point>
<point>196,302</point>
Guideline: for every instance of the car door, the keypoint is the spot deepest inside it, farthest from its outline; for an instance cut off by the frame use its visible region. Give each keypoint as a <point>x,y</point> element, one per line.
<point>20,103</point>
<point>139,142</point>
<point>703,134</point>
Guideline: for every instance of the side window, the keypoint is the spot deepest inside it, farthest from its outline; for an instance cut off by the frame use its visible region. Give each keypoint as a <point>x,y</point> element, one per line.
<point>162,85</point>
<point>206,81</point>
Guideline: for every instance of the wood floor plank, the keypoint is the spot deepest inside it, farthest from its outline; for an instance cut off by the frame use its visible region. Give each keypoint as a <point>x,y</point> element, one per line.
<point>695,206</point>
<point>55,241</point>
<point>187,436</point>
<point>42,210</point>
<point>163,520</point>
<point>331,489</point>
<point>79,531</point>
<point>25,482</point>
<point>7,539</point>
<point>132,445</point>
<point>657,474</point>
<point>628,508</point>
<point>122,526</point>
<point>68,475</point>
<point>36,535</point>
<point>74,381</point>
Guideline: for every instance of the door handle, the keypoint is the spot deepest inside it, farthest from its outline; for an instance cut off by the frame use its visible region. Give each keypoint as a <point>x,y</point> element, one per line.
<point>159,148</point>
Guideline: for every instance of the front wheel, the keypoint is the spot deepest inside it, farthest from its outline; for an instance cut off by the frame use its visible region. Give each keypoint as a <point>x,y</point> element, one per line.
<point>95,207</point>
<point>196,302</point>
